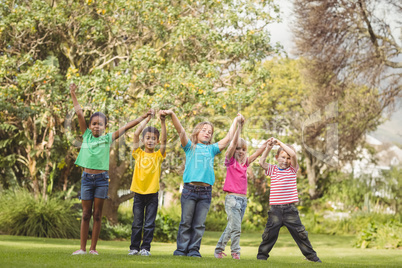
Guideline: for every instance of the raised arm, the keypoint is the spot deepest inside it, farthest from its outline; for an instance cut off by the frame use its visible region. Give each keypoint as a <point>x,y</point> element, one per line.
<point>257,153</point>
<point>78,109</point>
<point>163,133</point>
<point>233,144</point>
<point>131,124</point>
<point>228,138</point>
<point>179,128</point>
<point>289,151</point>
<point>138,131</point>
<point>263,158</point>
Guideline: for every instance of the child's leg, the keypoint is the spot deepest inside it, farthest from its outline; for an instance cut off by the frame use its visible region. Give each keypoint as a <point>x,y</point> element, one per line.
<point>97,217</point>
<point>230,202</point>
<point>297,230</point>
<point>149,225</point>
<point>86,217</point>
<point>198,225</point>
<point>238,211</point>
<point>136,228</point>
<point>271,232</point>
<point>188,201</point>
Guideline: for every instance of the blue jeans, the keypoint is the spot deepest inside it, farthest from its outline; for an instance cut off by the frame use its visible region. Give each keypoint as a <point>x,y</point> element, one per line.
<point>195,203</point>
<point>285,215</point>
<point>94,185</point>
<point>235,206</point>
<point>147,203</point>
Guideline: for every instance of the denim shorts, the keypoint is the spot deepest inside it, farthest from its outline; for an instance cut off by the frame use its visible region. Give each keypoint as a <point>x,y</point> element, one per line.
<point>94,185</point>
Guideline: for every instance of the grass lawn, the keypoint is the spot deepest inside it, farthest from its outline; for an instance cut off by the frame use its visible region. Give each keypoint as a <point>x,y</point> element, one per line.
<point>334,251</point>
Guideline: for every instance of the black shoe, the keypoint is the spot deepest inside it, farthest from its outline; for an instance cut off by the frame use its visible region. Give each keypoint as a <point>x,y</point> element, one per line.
<point>314,259</point>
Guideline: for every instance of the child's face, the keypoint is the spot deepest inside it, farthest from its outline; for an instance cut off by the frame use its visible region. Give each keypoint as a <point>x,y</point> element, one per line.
<point>283,160</point>
<point>97,126</point>
<point>205,135</point>
<point>240,153</point>
<point>150,140</point>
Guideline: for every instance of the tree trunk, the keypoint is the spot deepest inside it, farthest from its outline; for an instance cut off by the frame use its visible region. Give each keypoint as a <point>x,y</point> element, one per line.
<point>116,177</point>
<point>312,175</point>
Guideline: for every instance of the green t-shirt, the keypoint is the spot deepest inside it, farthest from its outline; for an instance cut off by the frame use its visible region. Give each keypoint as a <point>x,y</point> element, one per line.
<point>94,153</point>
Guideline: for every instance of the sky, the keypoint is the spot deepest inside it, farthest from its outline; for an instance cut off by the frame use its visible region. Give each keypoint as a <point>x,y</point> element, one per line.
<point>388,132</point>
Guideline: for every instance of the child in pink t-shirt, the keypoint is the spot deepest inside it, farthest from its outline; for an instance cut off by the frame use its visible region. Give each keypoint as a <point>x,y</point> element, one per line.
<point>236,199</point>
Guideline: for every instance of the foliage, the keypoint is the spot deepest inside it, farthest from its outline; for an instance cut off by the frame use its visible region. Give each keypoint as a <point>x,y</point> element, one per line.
<point>22,214</point>
<point>385,235</point>
<point>111,232</point>
<point>166,227</point>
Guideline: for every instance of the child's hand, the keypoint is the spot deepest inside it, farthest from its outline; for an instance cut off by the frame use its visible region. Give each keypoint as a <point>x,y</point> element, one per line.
<point>275,141</point>
<point>162,115</point>
<point>73,87</point>
<point>150,113</point>
<point>166,112</point>
<point>270,143</point>
<point>240,119</point>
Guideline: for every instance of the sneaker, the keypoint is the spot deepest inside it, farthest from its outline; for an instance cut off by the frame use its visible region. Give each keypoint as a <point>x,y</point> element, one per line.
<point>145,252</point>
<point>93,252</point>
<point>133,252</point>
<point>236,256</point>
<point>79,252</point>
<point>315,259</point>
<point>219,255</point>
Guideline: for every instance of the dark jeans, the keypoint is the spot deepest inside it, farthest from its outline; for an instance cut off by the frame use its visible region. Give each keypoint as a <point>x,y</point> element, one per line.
<point>147,203</point>
<point>195,203</point>
<point>284,215</point>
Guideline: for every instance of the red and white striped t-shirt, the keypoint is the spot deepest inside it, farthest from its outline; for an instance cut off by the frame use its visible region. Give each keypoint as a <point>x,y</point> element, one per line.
<point>283,185</point>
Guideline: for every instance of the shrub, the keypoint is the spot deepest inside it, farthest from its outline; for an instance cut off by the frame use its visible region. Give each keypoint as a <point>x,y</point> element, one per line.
<point>386,235</point>
<point>22,214</point>
<point>166,226</point>
<point>111,232</point>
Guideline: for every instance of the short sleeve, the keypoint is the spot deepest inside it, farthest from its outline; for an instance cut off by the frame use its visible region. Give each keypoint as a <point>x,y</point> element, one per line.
<point>270,169</point>
<point>137,153</point>
<point>215,149</point>
<point>229,162</point>
<point>247,163</point>
<point>110,137</point>
<point>187,147</point>
<point>160,154</point>
<point>294,169</point>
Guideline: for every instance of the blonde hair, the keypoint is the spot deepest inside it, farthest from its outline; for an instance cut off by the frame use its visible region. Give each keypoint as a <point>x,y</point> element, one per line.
<point>243,143</point>
<point>197,130</point>
<point>281,149</point>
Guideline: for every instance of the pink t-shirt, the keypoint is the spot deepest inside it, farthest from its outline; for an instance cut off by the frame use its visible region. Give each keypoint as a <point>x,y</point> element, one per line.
<point>283,185</point>
<point>236,176</point>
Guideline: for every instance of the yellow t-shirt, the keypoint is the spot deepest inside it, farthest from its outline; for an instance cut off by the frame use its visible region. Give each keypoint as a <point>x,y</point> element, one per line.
<point>147,171</point>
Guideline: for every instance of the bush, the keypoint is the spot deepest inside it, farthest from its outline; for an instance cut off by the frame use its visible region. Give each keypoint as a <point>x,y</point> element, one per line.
<point>111,232</point>
<point>22,214</point>
<point>386,235</point>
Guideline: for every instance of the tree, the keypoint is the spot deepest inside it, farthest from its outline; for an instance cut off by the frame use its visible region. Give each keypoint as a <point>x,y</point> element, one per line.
<point>125,56</point>
<point>351,51</point>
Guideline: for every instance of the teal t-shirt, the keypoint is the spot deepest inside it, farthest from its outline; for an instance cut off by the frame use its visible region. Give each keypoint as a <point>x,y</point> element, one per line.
<point>200,163</point>
<point>94,153</point>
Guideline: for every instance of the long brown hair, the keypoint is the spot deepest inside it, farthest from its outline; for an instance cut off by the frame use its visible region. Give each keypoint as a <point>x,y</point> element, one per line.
<point>197,130</point>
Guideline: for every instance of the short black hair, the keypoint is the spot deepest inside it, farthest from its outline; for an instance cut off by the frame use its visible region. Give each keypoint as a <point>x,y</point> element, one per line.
<point>98,114</point>
<point>152,130</point>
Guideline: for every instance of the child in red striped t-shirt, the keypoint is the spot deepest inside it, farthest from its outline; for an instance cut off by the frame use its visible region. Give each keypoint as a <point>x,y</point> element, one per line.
<point>282,198</point>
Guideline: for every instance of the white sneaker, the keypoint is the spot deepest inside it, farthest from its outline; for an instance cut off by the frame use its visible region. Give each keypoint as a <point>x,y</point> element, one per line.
<point>79,252</point>
<point>145,252</point>
<point>133,252</point>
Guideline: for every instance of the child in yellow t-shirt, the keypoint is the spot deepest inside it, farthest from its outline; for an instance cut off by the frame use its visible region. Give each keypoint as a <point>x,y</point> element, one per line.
<point>145,184</point>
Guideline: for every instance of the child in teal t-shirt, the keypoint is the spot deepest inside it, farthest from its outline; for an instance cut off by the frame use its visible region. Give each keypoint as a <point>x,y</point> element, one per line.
<point>198,179</point>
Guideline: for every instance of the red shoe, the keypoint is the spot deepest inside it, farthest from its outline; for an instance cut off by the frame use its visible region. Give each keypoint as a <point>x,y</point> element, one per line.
<point>235,256</point>
<point>219,255</point>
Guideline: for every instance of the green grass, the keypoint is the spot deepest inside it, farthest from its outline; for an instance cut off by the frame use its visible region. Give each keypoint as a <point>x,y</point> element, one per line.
<point>334,251</point>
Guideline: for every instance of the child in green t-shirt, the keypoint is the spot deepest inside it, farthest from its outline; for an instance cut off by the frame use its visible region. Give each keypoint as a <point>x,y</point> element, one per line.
<point>94,158</point>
